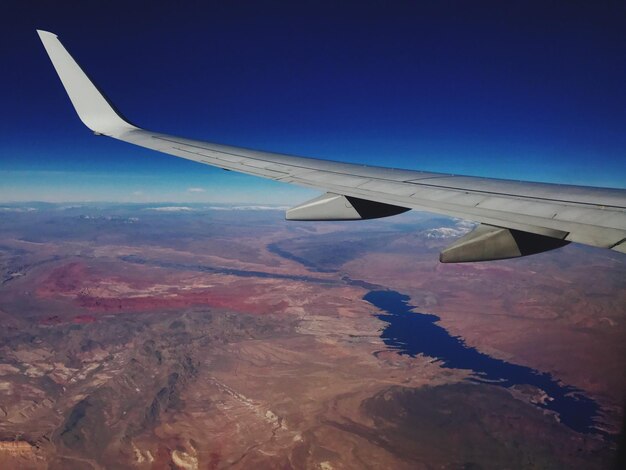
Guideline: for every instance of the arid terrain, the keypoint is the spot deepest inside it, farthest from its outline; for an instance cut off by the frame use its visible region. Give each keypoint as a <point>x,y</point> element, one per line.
<point>149,337</point>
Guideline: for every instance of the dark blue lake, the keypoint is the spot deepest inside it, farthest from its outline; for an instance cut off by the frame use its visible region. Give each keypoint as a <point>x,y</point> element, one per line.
<point>415,333</point>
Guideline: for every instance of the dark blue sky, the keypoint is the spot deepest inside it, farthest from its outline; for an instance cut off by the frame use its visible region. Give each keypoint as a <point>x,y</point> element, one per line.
<point>521,90</point>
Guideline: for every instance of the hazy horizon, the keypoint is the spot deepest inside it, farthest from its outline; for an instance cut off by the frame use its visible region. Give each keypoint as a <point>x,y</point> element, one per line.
<point>529,92</point>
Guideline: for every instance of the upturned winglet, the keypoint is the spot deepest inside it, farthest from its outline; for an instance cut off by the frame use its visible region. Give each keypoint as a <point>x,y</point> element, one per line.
<point>92,106</point>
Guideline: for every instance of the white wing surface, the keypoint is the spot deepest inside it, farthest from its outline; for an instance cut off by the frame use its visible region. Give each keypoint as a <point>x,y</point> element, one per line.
<point>516,218</point>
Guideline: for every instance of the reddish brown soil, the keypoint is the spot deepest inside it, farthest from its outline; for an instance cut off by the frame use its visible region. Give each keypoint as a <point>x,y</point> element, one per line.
<point>84,319</point>
<point>233,301</point>
<point>75,280</point>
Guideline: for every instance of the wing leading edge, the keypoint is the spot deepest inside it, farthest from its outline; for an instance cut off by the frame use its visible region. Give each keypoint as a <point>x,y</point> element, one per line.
<point>516,218</point>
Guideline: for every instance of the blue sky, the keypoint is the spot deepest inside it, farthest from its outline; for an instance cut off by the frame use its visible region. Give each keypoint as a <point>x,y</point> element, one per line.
<point>520,90</point>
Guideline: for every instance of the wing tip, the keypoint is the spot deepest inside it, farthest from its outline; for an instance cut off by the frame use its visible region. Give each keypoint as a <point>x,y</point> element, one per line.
<point>43,33</point>
<point>92,106</point>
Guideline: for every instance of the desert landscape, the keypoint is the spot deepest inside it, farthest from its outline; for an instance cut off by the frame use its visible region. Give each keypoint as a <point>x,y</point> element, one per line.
<point>194,337</point>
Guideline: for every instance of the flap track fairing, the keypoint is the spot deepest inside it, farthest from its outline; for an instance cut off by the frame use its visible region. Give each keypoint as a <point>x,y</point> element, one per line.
<point>332,206</point>
<point>487,243</point>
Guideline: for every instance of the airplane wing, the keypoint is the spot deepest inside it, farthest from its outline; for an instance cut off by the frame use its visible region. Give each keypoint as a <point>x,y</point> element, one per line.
<point>516,218</point>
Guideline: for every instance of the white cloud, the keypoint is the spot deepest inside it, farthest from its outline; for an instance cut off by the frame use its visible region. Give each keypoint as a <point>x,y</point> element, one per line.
<point>17,209</point>
<point>196,190</point>
<point>461,228</point>
<point>248,208</point>
<point>170,209</point>
<point>217,208</point>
